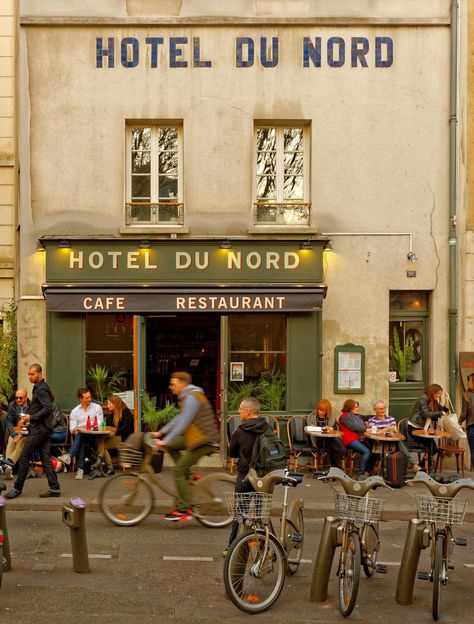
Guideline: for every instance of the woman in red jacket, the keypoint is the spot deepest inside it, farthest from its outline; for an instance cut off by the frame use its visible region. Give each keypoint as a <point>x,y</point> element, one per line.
<point>352,426</point>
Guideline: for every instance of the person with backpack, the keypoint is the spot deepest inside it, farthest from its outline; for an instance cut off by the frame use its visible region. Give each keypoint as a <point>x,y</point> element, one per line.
<point>241,446</point>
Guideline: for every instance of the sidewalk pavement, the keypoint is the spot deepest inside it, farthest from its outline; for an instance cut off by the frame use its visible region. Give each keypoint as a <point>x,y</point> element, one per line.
<point>318,497</point>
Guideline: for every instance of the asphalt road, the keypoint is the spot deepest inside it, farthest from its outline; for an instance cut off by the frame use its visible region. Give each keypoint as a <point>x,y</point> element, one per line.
<point>133,577</point>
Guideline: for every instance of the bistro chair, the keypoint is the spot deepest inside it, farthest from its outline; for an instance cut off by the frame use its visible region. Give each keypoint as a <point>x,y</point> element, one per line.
<point>413,446</point>
<point>273,422</point>
<point>447,446</point>
<point>300,443</point>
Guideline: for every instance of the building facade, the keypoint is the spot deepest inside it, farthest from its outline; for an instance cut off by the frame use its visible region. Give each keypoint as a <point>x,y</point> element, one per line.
<point>255,191</point>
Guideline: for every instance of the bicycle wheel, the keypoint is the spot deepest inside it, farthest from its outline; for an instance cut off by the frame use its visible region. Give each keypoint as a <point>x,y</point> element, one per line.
<point>370,546</point>
<point>209,504</point>
<point>439,574</point>
<point>349,575</point>
<point>294,550</point>
<point>251,583</point>
<point>126,499</point>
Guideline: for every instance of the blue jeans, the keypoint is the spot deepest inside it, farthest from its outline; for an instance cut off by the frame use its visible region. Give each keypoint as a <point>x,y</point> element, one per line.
<point>78,448</point>
<point>358,447</point>
<point>470,439</point>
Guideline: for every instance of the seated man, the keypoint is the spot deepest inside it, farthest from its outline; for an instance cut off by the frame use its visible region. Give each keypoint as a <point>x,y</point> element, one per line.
<point>78,418</point>
<point>16,410</point>
<point>384,424</point>
<point>193,431</point>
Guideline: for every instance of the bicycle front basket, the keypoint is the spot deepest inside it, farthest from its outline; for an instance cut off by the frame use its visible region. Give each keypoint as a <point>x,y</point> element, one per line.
<point>441,510</point>
<point>129,457</point>
<point>363,508</point>
<point>249,505</point>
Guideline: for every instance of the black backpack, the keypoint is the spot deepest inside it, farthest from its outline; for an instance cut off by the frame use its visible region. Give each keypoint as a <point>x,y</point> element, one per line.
<point>268,453</point>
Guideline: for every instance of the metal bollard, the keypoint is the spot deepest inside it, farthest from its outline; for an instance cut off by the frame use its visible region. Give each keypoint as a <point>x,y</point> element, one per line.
<point>324,558</point>
<point>409,563</point>
<point>74,516</point>
<point>7,560</point>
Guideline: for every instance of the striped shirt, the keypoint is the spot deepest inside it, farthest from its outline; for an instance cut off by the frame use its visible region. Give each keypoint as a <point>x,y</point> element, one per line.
<point>381,423</point>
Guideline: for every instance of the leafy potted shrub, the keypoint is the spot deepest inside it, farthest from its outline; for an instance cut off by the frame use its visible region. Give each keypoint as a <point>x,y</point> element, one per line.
<point>103,382</point>
<point>156,418</point>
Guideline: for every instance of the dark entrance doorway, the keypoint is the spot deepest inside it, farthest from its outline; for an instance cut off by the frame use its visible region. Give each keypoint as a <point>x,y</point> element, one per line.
<point>188,342</point>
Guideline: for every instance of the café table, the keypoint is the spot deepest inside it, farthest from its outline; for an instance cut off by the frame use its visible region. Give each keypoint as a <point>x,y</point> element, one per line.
<point>324,433</point>
<point>434,434</point>
<point>96,433</point>
<point>389,437</point>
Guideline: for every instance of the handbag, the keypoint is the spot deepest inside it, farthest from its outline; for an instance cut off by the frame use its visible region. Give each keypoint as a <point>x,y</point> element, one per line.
<point>450,423</point>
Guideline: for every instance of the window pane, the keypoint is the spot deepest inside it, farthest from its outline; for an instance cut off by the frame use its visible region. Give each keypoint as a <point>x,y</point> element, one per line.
<point>168,163</point>
<point>293,187</point>
<point>293,163</point>
<point>406,350</point>
<point>141,162</point>
<point>262,332</point>
<point>168,187</point>
<point>141,139</point>
<point>293,139</point>
<point>109,332</point>
<point>266,187</point>
<point>168,139</point>
<point>140,213</point>
<point>266,162</point>
<point>266,139</point>
<point>408,300</point>
<point>141,186</point>
<point>168,213</point>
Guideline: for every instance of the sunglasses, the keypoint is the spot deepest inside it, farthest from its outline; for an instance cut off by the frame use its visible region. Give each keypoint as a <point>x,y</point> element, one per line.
<point>21,398</point>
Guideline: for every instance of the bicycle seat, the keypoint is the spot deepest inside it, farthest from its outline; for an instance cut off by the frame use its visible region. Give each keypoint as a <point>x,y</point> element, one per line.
<point>444,490</point>
<point>352,487</point>
<point>268,482</point>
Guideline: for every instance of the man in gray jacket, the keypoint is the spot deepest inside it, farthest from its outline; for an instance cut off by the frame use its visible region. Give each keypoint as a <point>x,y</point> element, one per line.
<point>189,436</point>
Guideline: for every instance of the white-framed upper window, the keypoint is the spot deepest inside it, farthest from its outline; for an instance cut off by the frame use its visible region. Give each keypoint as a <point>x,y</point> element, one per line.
<point>154,174</point>
<point>282,174</point>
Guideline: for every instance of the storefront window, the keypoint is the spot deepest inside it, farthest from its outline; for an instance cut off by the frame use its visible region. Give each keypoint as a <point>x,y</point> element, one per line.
<point>257,356</point>
<point>109,343</point>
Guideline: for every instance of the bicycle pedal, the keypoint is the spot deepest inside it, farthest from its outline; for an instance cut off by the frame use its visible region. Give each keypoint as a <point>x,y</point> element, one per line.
<point>297,538</point>
<point>423,576</point>
<point>381,569</point>
<point>450,566</point>
<point>460,541</point>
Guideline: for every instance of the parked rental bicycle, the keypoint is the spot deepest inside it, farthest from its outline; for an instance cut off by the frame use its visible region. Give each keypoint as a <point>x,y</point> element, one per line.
<point>127,498</point>
<point>358,533</point>
<point>440,512</point>
<point>259,557</point>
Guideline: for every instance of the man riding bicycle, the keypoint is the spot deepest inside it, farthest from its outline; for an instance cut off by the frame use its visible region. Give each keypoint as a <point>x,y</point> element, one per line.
<point>189,436</point>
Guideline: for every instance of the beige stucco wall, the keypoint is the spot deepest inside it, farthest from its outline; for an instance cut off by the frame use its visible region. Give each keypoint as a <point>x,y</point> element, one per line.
<point>379,146</point>
<point>8,21</point>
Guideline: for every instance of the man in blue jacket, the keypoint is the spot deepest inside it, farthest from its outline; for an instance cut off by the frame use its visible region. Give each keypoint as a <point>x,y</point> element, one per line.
<point>39,437</point>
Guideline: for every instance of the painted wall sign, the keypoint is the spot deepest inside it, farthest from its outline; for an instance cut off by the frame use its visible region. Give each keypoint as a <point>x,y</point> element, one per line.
<point>183,52</point>
<point>224,302</point>
<point>178,262</point>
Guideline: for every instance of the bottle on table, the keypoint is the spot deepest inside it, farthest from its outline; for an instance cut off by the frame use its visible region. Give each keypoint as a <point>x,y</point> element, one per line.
<point>88,423</point>
<point>96,424</point>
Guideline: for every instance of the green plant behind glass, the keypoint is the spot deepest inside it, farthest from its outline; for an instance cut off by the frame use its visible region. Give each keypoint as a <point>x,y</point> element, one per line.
<point>8,350</point>
<point>269,390</point>
<point>156,418</point>
<point>401,359</point>
<point>104,382</point>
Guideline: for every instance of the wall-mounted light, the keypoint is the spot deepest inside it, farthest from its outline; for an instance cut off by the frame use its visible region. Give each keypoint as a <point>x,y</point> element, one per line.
<point>306,245</point>
<point>226,244</point>
<point>40,246</point>
<point>412,257</point>
<point>144,244</point>
<point>329,246</point>
<point>64,244</point>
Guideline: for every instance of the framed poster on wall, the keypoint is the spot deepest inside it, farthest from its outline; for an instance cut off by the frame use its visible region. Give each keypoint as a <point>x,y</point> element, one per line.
<point>236,371</point>
<point>349,369</point>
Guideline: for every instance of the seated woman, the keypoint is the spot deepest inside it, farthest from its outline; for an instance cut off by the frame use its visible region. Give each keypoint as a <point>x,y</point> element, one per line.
<point>427,406</point>
<point>322,417</point>
<point>122,422</point>
<point>352,425</point>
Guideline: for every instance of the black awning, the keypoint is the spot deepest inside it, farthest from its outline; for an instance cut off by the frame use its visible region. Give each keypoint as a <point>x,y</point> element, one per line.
<point>220,300</point>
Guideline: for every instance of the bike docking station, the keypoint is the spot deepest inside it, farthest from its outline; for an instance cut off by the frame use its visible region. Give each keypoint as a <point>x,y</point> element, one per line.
<point>418,538</point>
<point>74,516</point>
<point>331,538</point>
<point>4,540</point>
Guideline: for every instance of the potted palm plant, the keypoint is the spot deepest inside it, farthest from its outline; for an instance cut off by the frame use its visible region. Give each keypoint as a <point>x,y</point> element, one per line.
<point>156,418</point>
<point>104,382</point>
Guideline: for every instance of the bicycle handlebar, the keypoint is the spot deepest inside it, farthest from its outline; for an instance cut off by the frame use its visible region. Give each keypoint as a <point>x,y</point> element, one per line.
<point>352,487</point>
<point>268,482</point>
<point>443,490</point>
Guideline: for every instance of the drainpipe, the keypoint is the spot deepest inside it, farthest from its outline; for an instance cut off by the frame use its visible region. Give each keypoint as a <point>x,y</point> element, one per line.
<point>453,170</point>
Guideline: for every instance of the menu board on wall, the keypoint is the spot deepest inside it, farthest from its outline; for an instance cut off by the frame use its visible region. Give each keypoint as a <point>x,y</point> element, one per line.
<point>349,369</point>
